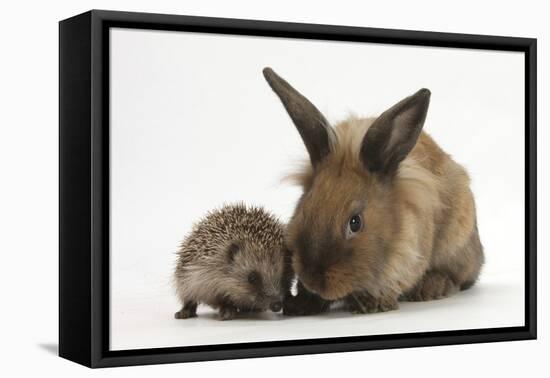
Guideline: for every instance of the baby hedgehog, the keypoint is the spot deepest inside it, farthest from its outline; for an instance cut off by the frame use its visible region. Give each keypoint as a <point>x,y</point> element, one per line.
<point>234,260</point>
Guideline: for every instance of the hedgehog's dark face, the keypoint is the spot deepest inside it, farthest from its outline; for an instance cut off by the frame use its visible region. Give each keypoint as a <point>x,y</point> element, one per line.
<point>256,276</point>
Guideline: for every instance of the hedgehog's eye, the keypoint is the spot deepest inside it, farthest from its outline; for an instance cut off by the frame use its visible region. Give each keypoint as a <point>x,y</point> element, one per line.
<point>355,224</point>
<point>253,278</point>
<point>232,251</point>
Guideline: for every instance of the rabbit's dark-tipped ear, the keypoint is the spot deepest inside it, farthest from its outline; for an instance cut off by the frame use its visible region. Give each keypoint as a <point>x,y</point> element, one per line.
<point>394,133</point>
<point>311,124</point>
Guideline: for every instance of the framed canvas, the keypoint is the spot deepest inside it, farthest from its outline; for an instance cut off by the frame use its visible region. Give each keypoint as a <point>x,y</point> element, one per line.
<point>236,188</point>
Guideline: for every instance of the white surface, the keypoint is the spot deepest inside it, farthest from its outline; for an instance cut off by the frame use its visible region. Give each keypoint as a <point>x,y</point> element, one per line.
<point>147,319</point>
<point>28,194</point>
<point>194,125</point>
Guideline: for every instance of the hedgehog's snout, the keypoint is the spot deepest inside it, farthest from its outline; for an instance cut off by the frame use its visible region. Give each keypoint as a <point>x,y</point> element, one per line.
<point>276,306</point>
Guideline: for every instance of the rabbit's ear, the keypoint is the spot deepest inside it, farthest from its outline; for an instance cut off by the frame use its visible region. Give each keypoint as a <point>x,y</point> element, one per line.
<point>311,124</point>
<point>394,133</point>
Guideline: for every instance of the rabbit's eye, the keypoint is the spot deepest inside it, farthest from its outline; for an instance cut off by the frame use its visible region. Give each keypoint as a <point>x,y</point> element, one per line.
<point>355,225</point>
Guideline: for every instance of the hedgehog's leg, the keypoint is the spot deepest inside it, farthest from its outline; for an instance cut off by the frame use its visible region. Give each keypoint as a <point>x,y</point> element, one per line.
<point>189,310</point>
<point>249,309</point>
<point>227,312</point>
<point>304,303</point>
<point>226,309</point>
<point>363,302</point>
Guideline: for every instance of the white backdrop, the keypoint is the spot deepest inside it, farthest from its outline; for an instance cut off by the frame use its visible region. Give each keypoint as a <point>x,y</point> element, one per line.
<point>194,125</point>
<point>28,196</point>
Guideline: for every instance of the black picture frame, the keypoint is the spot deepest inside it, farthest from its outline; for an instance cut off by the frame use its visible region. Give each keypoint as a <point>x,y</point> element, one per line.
<point>84,183</point>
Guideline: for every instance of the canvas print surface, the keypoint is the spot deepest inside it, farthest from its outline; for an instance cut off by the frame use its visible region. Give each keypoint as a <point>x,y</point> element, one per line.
<point>268,189</point>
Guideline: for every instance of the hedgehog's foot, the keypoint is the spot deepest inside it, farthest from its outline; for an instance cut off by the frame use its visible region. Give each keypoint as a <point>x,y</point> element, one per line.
<point>249,310</point>
<point>227,312</point>
<point>189,310</point>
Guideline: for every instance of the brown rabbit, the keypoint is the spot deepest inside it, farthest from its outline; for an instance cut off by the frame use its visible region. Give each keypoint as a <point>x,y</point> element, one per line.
<point>385,213</point>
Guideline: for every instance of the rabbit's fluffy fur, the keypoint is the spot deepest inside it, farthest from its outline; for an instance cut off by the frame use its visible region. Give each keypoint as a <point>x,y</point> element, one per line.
<point>418,239</point>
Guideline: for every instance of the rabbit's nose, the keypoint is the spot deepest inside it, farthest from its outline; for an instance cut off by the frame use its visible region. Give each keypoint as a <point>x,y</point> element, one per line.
<point>276,306</point>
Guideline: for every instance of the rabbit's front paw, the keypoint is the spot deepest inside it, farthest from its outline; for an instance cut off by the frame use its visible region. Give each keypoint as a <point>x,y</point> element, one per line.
<point>363,303</point>
<point>304,304</point>
<point>433,285</point>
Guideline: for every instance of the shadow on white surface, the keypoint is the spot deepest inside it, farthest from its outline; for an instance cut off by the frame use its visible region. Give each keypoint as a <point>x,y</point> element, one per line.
<point>149,322</point>
<point>51,348</point>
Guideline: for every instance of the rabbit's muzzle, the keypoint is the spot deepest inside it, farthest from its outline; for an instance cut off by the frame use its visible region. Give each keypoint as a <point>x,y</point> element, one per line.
<point>330,283</point>
<point>322,263</point>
